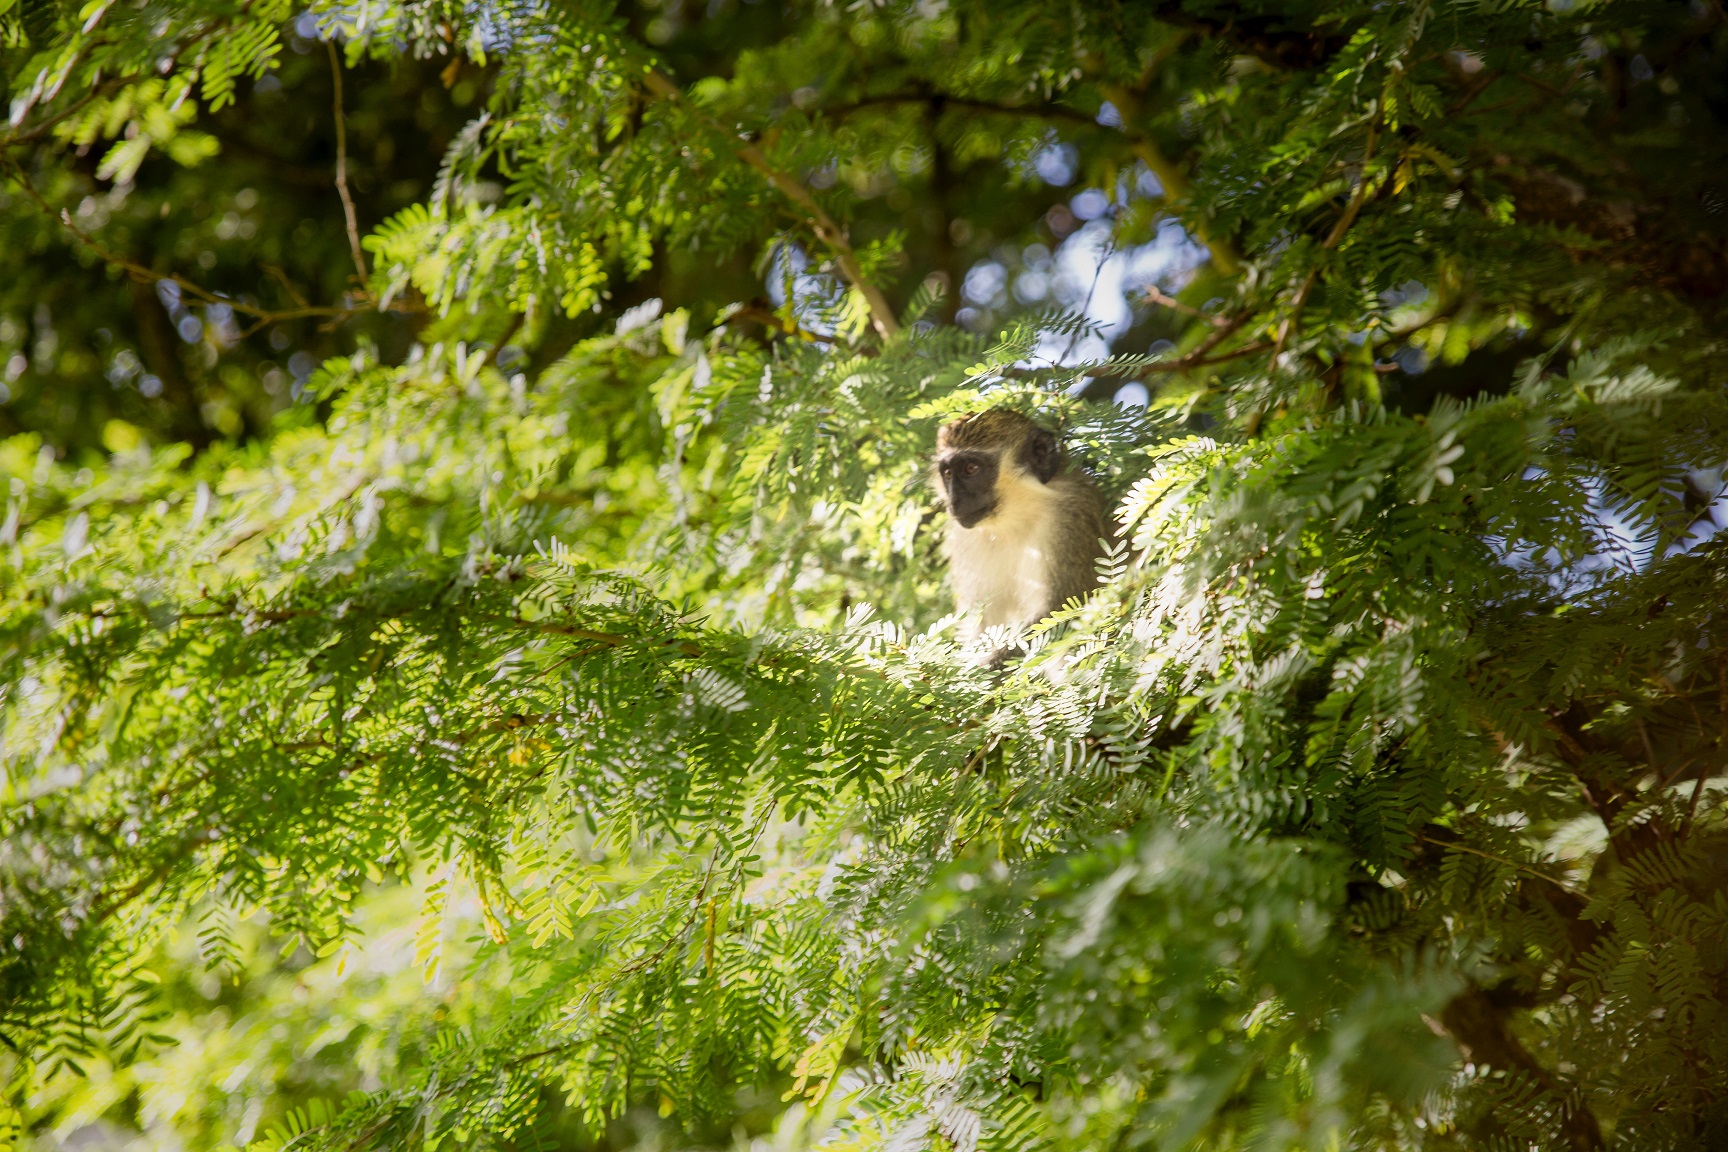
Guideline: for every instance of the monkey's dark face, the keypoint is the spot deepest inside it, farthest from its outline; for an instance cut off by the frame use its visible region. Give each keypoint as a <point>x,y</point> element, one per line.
<point>968,480</point>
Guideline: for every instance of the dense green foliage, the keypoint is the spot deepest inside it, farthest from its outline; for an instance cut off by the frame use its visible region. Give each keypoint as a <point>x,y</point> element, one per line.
<point>475,665</point>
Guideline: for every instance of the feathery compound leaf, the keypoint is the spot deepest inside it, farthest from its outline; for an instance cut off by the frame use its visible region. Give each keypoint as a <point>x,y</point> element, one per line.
<point>477,665</point>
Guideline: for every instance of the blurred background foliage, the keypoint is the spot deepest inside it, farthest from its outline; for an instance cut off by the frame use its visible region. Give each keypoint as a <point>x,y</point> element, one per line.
<point>475,660</point>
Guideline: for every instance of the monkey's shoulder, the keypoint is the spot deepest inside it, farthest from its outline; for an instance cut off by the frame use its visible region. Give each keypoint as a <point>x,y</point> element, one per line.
<point>1074,485</point>
<point>1076,497</point>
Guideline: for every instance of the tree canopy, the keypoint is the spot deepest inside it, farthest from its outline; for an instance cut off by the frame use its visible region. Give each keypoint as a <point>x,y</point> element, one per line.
<point>475,669</point>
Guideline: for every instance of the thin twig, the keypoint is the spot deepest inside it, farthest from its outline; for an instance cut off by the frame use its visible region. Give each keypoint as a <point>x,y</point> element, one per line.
<point>768,318</point>
<point>510,330</point>
<point>41,130</point>
<point>607,639</point>
<point>151,276</point>
<point>649,959</point>
<point>342,165</point>
<point>1544,86</point>
<point>1288,328</point>
<point>1177,189</point>
<point>1475,90</point>
<point>1669,780</point>
<point>947,100</point>
<point>1692,805</point>
<point>827,229</point>
<point>281,278</point>
<point>1109,251</point>
<point>1362,187</point>
<point>1154,296</point>
<point>1127,103</point>
<point>1525,868</point>
<point>1229,325</point>
<point>119,900</point>
<point>1194,359</point>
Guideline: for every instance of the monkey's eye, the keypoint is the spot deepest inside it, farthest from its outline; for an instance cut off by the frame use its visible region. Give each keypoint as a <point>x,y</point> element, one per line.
<point>970,468</point>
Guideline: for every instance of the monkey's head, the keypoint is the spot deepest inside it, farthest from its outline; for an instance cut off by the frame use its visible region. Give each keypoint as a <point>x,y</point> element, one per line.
<point>974,453</point>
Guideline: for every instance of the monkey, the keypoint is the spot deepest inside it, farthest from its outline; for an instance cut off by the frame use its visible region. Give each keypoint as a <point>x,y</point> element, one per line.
<point>1024,527</point>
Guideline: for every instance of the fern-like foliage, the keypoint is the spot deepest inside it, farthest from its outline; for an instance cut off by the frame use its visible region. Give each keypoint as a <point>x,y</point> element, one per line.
<point>1372,800</point>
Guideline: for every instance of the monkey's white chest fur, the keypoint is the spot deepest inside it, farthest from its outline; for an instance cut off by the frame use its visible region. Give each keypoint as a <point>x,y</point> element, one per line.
<point>1001,567</point>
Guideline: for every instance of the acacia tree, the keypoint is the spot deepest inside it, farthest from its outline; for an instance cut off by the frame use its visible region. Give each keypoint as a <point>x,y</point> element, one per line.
<point>588,591</point>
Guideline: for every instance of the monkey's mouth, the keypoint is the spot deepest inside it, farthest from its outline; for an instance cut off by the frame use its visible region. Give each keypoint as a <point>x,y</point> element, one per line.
<point>970,517</point>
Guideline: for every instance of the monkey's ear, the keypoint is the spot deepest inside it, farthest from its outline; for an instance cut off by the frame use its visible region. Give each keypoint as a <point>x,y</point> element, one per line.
<point>1043,455</point>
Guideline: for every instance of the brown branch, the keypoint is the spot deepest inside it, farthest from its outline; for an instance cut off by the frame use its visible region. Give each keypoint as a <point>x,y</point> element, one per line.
<point>1692,804</point>
<point>1195,359</point>
<point>1544,86</point>
<point>1153,295</point>
<point>159,345</point>
<point>941,186</point>
<point>1177,188</point>
<point>103,86</point>
<point>155,876</point>
<point>1362,188</point>
<point>1198,356</point>
<point>348,213</point>
<point>605,639</point>
<point>150,276</point>
<point>1674,776</point>
<point>628,969</point>
<point>827,229</point>
<point>1176,185</point>
<point>1475,90</point>
<point>1478,1024</point>
<point>491,354</point>
<point>768,318</point>
<point>1224,330</point>
<point>1288,328</point>
<point>281,278</point>
<point>1525,868</point>
<point>41,130</point>
<point>946,100</point>
<point>1607,797</point>
<point>699,902</point>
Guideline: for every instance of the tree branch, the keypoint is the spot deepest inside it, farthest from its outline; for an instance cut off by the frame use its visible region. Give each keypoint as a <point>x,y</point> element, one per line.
<point>159,345</point>
<point>1198,358</point>
<point>490,355</point>
<point>946,100</point>
<point>1288,328</point>
<point>772,320</point>
<point>1513,864</point>
<point>1154,296</point>
<point>348,213</point>
<point>41,130</point>
<point>827,229</point>
<point>1175,182</point>
<point>604,639</point>
<point>1177,188</point>
<point>1477,1023</point>
<point>1704,772</point>
<point>263,316</point>
<point>150,275</point>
